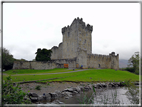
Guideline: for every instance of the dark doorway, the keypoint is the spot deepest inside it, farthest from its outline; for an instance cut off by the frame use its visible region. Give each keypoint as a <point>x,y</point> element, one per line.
<point>99,66</point>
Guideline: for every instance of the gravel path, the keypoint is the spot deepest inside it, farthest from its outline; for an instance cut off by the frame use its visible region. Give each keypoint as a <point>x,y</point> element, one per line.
<point>48,73</point>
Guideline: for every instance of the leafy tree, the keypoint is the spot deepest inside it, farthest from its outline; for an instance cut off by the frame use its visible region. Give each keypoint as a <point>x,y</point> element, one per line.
<point>43,55</point>
<point>21,60</point>
<point>134,62</point>
<point>13,94</point>
<point>7,59</point>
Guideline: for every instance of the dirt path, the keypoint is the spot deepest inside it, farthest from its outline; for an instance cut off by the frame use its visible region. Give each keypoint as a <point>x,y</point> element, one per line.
<point>48,73</point>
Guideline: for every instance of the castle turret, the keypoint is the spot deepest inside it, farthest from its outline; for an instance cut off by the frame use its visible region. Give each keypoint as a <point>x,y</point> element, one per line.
<point>75,37</point>
<point>114,60</point>
<point>84,36</point>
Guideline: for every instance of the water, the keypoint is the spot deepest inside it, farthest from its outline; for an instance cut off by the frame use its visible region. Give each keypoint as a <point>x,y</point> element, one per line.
<point>102,96</point>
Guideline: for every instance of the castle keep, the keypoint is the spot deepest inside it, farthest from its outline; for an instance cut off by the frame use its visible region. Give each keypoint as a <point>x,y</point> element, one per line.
<point>75,50</point>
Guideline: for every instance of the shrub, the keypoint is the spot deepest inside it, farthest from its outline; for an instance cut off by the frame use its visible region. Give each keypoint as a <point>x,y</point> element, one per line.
<point>38,87</point>
<point>13,94</point>
<point>128,83</point>
<point>130,69</point>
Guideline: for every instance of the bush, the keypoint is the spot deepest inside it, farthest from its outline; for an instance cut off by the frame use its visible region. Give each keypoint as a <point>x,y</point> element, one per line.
<point>13,94</point>
<point>130,69</point>
<point>38,87</point>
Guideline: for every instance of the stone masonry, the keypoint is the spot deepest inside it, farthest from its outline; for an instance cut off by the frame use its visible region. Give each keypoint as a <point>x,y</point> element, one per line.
<point>75,50</point>
<point>77,43</point>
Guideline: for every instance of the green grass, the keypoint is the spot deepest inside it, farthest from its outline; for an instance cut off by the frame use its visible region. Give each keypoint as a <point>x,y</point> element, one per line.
<point>32,71</point>
<point>91,75</point>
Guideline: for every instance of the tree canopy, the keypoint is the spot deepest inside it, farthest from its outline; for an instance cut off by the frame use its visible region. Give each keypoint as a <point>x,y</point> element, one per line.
<point>43,54</point>
<point>21,59</point>
<point>134,62</point>
<point>7,59</point>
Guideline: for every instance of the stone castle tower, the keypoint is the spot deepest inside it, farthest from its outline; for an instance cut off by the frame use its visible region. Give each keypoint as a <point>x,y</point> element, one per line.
<point>76,37</point>
<point>77,44</point>
<point>75,50</point>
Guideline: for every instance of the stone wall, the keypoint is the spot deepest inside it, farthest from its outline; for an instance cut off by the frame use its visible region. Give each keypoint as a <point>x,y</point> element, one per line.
<point>82,58</point>
<point>103,61</point>
<point>57,51</point>
<point>35,65</point>
<point>98,61</point>
<point>84,36</point>
<point>70,41</point>
<point>114,60</point>
<point>21,65</point>
<point>45,64</point>
<point>71,62</point>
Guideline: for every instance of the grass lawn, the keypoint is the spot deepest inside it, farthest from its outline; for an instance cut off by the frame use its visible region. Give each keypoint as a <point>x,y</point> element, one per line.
<point>90,75</point>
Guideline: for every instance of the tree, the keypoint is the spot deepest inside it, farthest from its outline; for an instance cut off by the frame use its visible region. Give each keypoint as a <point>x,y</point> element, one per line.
<point>134,62</point>
<point>21,59</point>
<point>7,59</point>
<point>43,55</point>
<point>13,94</point>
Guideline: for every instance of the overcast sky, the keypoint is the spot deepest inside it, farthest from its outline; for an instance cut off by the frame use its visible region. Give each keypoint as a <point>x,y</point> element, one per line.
<point>28,26</point>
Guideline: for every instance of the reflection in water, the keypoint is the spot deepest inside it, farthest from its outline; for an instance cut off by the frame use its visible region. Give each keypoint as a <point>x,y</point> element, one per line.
<point>103,96</point>
<point>133,94</point>
<point>111,96</point>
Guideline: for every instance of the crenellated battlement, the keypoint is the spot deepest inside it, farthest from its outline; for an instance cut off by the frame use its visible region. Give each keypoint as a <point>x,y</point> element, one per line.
<point>83,25</point>
<point>79,22</point>
<point>113,54</point>
<point>64,29</point>
<point>98,55</point>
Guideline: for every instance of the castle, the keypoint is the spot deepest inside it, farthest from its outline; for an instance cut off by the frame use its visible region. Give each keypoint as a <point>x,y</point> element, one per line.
<point>75,50</point>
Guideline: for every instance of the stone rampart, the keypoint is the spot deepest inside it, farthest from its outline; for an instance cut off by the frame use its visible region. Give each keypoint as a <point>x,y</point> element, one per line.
<point>45,64</point>
<point>103,61</point>
<point>57,51</point>
<point>98,61</point>
<point>71,62</point>
<point>35,65</point>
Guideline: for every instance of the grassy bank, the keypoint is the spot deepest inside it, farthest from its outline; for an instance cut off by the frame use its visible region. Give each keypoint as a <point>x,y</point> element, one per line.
<point>90,75</point>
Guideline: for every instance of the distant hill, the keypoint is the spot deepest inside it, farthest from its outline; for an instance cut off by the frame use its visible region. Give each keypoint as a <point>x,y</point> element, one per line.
<point>123,63</point>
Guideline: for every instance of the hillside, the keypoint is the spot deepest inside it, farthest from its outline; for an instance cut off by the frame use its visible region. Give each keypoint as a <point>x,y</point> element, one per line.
<point>123,63</point>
